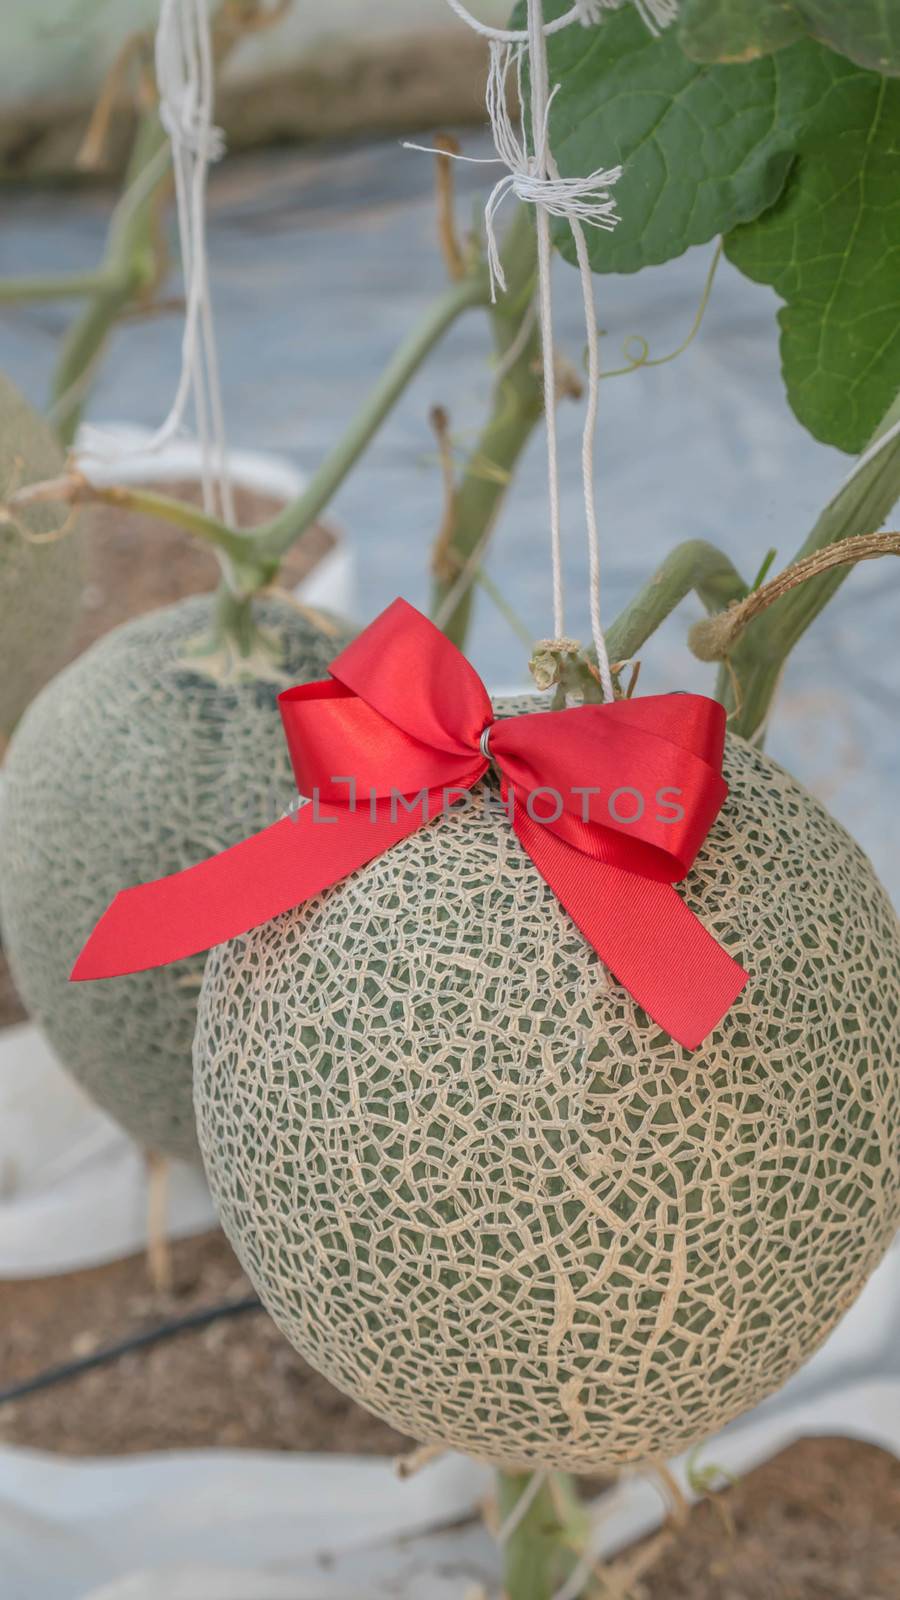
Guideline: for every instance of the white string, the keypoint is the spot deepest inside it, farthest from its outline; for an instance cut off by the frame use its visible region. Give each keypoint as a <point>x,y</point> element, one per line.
<point>656,14</point>
<point>535,178</point>
<point>520,36</point>
<point>185,82</point>
<point>537,171</point>
<point>588,448</point>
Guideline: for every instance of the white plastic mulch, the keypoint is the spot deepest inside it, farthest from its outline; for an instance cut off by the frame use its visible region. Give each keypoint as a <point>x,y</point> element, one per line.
<point>225,1525</point>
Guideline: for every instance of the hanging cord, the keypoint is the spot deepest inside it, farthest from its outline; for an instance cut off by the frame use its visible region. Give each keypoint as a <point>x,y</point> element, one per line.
<point>533,176</point>
<point>588,458</point>
<point>541,171</point>
<point>185,83</point>
<point>656,14</point>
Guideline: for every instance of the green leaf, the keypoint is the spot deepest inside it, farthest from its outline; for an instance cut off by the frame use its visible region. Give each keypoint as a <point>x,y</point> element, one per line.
<point>737,30</point>
<point>830,248</point>
<point>866,31</point>
<point>704,147</point>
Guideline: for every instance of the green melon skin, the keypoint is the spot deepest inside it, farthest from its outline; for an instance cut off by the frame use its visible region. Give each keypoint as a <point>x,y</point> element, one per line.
<point>40,583</point>
<point>485,1195</point>
<point>132,764</point>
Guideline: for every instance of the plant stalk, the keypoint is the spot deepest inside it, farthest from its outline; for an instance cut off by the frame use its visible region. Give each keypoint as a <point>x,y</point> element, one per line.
<point>749,679</point>
<point>544,1547</point>
<point>516,409</point>
<point>694,566</point>
<point>59,286</point>
<point>76,489</point>
<point>131,268</point>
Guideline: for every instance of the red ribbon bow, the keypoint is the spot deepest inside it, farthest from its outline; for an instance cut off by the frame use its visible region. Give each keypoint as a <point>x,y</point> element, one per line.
<point>406,711</point>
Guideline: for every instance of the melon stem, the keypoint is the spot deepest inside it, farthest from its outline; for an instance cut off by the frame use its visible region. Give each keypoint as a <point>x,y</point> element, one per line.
<point>544,1546</point>
<point>234,622</point>
<point>516,410</point>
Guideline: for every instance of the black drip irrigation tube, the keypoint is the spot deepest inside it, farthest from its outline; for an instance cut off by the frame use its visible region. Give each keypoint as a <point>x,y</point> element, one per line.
<point>139,1341</point>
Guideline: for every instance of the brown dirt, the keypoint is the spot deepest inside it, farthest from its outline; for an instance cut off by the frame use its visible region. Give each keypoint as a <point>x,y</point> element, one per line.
<point>133,564</point>
<point>821,1521</point>
<point>236,1383</point>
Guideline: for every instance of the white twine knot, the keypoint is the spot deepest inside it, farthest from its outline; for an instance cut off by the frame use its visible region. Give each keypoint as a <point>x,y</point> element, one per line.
<point>185,84</point>
<point>184,80</point>
<point>186,126</point>
<point>531,175</point>
<point>534,177</point>
<point>655,14</point>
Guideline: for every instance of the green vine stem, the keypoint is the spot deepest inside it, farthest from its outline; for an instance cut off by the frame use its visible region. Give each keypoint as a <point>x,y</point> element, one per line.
<point>545,1544</point>
<point>516,410</point>
<point>59,286</point>
<point>749,678</point>
<point>75,489</point>
<point>131,269</point>
<point>694,566</point>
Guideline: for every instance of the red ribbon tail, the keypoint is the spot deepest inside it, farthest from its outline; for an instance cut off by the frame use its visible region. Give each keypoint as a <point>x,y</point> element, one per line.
<point>227,895</point>
<point>642,929</point>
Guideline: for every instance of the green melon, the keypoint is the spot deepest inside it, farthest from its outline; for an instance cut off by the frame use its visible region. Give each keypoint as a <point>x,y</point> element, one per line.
<point>485,1195</point>
<point>136,762</point>
<point>40,582</point>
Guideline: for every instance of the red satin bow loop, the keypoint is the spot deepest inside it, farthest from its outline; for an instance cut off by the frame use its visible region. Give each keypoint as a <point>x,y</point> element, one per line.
<point>611,802</point>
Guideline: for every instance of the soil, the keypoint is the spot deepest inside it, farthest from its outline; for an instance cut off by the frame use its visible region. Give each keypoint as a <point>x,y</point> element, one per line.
<point>235,1384</point>
<point>821,1521</point>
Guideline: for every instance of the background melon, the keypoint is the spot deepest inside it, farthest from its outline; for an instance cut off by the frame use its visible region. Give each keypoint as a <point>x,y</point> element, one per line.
<point>136,761</point>
<point>40,583</point>
<point>484,1194</point>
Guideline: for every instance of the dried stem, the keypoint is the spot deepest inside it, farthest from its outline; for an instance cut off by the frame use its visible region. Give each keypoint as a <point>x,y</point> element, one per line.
<point>715,638</point>
<point>442,563</point>
<point>445,194</point>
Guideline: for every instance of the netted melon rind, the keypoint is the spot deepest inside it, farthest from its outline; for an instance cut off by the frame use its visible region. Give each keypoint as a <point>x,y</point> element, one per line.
<point>478,1189</point>
<point>132,764</point>
<point>40,582</point>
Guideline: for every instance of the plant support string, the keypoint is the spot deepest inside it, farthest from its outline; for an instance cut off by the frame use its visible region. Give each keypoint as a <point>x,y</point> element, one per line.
<point>533,176</point>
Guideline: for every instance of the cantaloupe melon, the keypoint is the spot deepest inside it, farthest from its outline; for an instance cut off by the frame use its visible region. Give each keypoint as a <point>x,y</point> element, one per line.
<point>485,1195</point>
<point>135,762</point>
<point>40,582</point>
